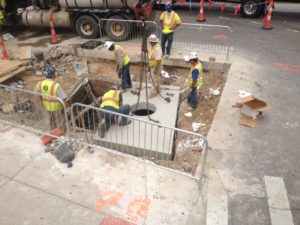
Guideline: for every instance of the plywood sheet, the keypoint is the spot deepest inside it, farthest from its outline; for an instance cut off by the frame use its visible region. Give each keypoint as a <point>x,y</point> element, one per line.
<point>11,74</point>
<point>7,66</point>
<point>25,52</point>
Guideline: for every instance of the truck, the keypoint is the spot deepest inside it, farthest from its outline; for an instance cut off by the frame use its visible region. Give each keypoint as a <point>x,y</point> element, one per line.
<point>82,15</point>
<point>249,8</point>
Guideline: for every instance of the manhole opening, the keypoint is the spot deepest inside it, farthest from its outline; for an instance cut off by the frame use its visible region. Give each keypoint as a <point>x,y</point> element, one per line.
<point>141,109</point>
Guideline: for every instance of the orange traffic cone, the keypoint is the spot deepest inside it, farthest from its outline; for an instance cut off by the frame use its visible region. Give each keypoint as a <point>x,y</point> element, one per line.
<point>268,17</point>
<point>237,8</point>
<point>223,7</point>
<point>201,12</point>
<point>54,39</point>
<point>5,54</point>
<point>210,3</point>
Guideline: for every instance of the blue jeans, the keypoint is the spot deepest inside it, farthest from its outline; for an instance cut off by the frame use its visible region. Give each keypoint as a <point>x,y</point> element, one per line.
<point>193,98</point>
<point>126,79</point>
<point>111,119</point>
<point>166,38</point>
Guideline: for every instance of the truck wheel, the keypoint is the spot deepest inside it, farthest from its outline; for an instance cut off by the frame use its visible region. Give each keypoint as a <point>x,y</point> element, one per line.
<point>87,27</point>
<point>117,30</point>
<point>250,8</point>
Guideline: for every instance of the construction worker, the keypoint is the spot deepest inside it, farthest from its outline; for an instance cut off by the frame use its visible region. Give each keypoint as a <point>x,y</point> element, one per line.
<point>169,21</point>
<point>49,87</point>
<point>112,101</point>
<point>123,64</point>
<point>155,63</point>
<point>2,6</point>
<point>194,79</point>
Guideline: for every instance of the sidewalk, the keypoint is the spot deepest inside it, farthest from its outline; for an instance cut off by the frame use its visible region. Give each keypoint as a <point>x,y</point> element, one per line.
<point>37,189</point>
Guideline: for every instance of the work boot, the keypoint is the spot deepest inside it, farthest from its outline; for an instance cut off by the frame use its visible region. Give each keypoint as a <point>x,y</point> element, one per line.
<point>126,123</point>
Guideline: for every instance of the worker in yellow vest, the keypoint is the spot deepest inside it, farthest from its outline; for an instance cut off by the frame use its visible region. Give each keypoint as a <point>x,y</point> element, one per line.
<point>169,21</point>
<point>194,80</point>
<point>123,63</point>
<point>155,63</point>
<point>50,88</point>
<point>112,101</point>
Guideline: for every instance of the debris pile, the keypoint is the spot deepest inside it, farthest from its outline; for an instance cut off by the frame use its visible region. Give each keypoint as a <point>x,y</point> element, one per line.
<point>61,57</point>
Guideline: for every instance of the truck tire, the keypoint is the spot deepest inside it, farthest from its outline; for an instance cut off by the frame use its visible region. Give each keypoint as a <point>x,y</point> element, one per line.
<point>87,27</point>
<point>250,8</point>
<point>117,30</point>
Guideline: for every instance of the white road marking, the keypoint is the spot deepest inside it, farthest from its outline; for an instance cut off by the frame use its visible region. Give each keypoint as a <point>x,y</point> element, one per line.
<point>217,206</point>
<point>256,22</point>
<point>296,31</point>
<point>224,18</point>
<point>279,205</point>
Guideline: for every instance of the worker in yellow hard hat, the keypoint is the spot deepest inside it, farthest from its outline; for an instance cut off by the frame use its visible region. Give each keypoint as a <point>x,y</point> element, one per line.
<point>49,87</point>
<point>112,101</point>
<point>155,63</point>
<point>194,80</point>
<point>169,21</point>
<point>123,64</point>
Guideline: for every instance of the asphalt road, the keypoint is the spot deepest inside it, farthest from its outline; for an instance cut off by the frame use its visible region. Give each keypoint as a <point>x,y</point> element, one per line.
<point>272,149</point>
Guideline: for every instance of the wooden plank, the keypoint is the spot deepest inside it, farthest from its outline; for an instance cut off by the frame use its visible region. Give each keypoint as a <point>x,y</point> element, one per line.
<point>25,52</point>
<point>7,66</point>
<point>32,77</point>
<point>11,74</point>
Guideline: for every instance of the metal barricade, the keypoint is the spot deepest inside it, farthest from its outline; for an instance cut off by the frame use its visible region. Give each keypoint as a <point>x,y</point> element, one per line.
<point>203,38</point>
<point>24,109</point>
<point>127,30</point>
<point>148,142</point>
<point>188,36</point>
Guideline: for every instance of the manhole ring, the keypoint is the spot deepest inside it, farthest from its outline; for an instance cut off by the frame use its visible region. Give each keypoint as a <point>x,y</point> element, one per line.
<point>142,110</point>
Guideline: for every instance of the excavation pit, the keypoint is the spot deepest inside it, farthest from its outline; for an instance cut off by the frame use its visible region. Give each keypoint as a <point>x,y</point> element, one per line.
<point>136,138</point>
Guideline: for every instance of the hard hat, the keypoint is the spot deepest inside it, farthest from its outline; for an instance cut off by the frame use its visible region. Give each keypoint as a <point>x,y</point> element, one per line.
<point>193,55</point>
<point>49,71</point>
<point>153,38</point>
<point>168,6</point>
<point>108,44</point>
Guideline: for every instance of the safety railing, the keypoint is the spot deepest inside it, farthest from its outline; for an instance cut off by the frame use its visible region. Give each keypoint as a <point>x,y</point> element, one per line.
<point>152,143</point>
<point>203,38</point>
<point>187,36</point>
<point>25,109</point>
<point>127,30</point>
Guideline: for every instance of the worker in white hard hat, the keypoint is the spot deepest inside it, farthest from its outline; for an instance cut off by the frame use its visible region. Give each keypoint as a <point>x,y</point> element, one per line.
<point>155,63</point>
<point>194,79</point>
<point>123,64</point>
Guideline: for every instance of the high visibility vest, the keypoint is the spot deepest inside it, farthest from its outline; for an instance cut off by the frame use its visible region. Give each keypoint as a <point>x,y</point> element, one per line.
<point>199,83</point>
<point>111,98</point>
<point>151,56</point>
<point>169,21</point>
<point>49,88</point>
<point>126,58</point>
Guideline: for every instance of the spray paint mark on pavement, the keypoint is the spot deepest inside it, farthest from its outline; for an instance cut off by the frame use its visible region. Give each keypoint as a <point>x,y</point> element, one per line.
<point>137,209</point>
<point>295,69</point>
<point>108,199</point>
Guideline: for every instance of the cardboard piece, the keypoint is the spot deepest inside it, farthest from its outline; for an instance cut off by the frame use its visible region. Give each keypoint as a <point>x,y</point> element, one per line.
<point>252,109</point>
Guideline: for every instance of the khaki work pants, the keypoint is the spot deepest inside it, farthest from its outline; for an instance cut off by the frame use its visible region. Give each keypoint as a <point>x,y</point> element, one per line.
<point>155,81</point>
<point>58,120</point>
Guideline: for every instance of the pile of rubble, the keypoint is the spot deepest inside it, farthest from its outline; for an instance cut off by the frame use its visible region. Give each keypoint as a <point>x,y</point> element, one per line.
<point>61,57</point>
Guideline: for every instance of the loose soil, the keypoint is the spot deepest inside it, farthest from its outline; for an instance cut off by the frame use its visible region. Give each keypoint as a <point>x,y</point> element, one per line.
<point>204,113</point>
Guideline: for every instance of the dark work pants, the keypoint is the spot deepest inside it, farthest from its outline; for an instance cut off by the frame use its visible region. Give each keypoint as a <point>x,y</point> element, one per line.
<point>164,39</point>
<point>111,119</point>
<point>126,79</point>
<point>193,98</point>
